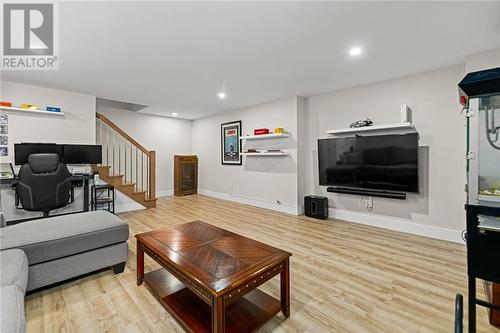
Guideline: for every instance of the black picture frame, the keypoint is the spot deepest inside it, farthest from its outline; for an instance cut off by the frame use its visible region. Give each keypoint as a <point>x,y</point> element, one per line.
<point>233,140</point>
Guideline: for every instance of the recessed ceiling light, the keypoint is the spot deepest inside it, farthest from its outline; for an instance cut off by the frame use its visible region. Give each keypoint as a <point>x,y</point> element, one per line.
<point>355,51</point>
<point>175,114</point>
<point>221,95</point>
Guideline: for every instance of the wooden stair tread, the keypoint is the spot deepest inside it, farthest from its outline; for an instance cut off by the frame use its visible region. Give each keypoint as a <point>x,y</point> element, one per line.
<point>127,184</point>
<point>116,176</point>
<point>139,192</point>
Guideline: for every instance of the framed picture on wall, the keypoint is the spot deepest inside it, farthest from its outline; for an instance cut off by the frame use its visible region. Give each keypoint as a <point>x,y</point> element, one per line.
<point>231,143</point>
<point>4,119</point>
<point>4,129</point>
<point>4,151</point>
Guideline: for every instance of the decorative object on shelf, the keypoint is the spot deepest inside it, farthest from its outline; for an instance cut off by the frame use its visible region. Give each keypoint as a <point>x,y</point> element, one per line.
<point>252,151</point>
<point>279,130</point>
<point>4,119</point>
<point>361,123</point>
<point>28,106</point>
<point>53,109</point>
<point>103,197</point>
<point>185,175</point>
<point>4,129</point>
<point>406,114</point>
<point>260,131</point>
<point>231,143</point>
<point>4,103</point>
<point>406,127</point>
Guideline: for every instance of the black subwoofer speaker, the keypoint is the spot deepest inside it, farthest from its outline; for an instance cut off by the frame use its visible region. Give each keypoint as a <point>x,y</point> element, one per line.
<point>316,206</point>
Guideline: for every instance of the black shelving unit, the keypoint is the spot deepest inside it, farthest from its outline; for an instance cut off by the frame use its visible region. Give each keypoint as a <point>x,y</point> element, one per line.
<point>483,253</point>
<point>103,197</point>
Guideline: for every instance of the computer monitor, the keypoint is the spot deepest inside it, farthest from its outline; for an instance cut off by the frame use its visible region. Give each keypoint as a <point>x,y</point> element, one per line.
<point>82,154</point>
<point>23,150</point>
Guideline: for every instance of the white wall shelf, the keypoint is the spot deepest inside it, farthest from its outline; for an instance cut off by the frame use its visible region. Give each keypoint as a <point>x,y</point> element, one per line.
<point>374,128</point>
<point>264,136</point>
<point>282,153</point>
<point>29,111</point>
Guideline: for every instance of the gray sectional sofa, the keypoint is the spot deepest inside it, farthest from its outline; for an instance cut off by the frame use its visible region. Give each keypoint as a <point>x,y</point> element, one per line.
<point>43,252</point>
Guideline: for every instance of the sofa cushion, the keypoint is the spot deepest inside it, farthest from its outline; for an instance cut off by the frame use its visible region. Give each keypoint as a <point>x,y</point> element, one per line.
<point>14,269</point>
<point>56,237</point>
<point>12,313</point>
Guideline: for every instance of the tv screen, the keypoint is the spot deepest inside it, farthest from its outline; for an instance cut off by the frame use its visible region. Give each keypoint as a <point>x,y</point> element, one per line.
<point>82,154</point>
<point>379,162</point>
<point>23,150</point>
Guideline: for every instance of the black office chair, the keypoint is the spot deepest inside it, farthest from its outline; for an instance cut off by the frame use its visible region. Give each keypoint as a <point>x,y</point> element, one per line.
<point>43,184</point>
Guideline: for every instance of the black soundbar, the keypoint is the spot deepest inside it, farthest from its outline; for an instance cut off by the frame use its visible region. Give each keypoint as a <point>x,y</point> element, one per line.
<point>370,193</point>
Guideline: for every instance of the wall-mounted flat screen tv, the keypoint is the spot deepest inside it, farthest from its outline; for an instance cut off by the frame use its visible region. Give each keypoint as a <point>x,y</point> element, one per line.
<point>378,162</point>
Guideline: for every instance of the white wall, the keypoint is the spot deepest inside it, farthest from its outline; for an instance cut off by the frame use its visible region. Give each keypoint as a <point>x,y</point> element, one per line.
<point>433,96</point>
<point>262,181</point>
<point>483,60</point>
<point>76,126</point>
<point>167,136</point>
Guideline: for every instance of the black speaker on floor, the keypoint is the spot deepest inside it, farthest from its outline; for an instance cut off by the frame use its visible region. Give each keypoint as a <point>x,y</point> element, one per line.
<point>316,206</point>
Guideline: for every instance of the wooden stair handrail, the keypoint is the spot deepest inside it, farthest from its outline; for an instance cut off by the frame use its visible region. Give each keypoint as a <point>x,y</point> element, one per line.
<point>151,154</point>
<point>117,129</point>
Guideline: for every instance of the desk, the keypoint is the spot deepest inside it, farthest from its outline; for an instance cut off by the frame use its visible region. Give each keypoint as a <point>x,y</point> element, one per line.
<point>85,178</point>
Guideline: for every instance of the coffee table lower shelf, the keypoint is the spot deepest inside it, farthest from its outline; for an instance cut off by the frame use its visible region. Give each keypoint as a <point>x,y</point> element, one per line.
<point>248,314</point>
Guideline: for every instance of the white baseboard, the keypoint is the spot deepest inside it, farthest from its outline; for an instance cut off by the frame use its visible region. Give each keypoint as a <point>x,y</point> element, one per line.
<point>380,221</point>
<point>283,208</point>
<point>166,193</point>
<point>397,224</point>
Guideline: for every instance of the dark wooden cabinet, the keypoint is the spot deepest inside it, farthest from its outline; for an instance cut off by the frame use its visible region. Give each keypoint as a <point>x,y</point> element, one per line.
<point>185,174</point>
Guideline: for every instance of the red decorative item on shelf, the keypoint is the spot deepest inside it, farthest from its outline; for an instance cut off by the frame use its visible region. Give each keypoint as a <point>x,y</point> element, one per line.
<point>8,104</point>
<point>260,131</point>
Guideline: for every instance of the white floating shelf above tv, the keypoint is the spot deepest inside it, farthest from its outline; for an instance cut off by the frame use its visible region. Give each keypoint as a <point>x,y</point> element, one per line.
<point>265,136</point>
<point>30,111</point>
<point>282,153</point>
<point>374,128</point>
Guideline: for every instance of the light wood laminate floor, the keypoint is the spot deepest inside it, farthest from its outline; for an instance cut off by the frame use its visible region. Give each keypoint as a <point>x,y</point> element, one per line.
<point>345,277</point>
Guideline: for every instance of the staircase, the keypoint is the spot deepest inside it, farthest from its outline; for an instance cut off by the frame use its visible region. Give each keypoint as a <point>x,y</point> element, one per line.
<point>126,164</point>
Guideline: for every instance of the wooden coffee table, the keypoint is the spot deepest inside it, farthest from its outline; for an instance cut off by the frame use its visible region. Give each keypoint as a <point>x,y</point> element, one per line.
<point>210,276</point>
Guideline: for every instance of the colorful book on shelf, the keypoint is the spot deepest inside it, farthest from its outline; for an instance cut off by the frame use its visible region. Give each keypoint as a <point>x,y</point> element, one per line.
<point>28,106</point>
<point>260,131</point>
<point>53,109</point>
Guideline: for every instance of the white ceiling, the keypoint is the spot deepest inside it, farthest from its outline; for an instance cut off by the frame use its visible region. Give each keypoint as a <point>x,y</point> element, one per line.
<point>176,56</point>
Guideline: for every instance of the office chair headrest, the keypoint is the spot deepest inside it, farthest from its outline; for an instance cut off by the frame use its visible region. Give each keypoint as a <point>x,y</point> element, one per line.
<point>40,163</point>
